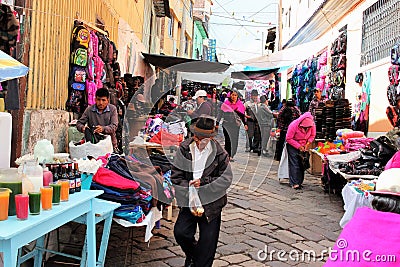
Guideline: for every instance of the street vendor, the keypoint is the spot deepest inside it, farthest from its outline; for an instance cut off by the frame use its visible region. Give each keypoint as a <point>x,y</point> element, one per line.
<point>102,117</point>
<point>317,101</point>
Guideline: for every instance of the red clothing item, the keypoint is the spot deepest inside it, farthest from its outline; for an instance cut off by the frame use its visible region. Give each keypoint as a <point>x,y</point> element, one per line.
<point>109,178</point>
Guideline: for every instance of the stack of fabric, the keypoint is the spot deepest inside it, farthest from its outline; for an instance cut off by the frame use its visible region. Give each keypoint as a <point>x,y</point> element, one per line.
<point>135,197</point>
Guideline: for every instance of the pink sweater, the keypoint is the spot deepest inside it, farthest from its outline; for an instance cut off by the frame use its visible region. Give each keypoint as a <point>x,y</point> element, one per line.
<point>297,136</point>
<point>371,235</point>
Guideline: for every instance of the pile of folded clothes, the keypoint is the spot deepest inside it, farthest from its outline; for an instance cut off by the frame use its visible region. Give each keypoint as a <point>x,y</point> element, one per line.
<point>135,197</point>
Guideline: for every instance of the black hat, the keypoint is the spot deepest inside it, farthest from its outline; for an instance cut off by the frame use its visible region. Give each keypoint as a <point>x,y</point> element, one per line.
<point>254,92</point>
<point>204,127</point>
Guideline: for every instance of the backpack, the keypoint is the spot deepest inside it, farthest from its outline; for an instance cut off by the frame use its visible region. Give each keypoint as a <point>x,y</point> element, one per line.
<point>395,54</point>
<point>78,86</point>
<point>79,57</point>
<point>391,94</point>
<point>322,60</point>
<point>79,74</point>
<point>393,74</point>
<point>76,101</point>
<point>98,70</point>
<point>342,43</point>
<point>95,43</point>
<point>392,115</point>
<point>340,79</point>
<point>91,89</point>
<point>104,46</point>
<point>80,37</point>
<point>359,78</point>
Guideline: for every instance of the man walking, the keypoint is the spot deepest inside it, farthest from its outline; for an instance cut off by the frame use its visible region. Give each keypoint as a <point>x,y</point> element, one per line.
<point>253,132</point>
<point>203,163</point>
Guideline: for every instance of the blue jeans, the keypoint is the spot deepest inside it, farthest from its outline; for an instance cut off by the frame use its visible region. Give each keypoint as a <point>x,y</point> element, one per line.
<point>296,169</point>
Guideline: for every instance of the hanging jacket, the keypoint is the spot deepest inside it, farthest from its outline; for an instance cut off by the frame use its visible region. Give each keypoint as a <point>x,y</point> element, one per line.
<point>9,27</point>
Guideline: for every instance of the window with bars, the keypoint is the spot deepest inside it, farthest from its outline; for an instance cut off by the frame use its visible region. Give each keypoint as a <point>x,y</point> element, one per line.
<point>380,30</point>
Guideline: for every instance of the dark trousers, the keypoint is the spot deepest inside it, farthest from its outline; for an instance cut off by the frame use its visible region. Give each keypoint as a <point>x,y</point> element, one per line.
<point>254,136</point>
<point>280,144</point>
<point>202,251</point>
<point>296,169</point>
<point>231,135</point>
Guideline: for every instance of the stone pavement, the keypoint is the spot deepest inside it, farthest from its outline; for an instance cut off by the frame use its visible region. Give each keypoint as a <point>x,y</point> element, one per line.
<point>264,216</point>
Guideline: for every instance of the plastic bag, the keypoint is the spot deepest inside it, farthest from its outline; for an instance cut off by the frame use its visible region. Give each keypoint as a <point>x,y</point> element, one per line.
<point>194,202</point>
<point>88,149</point>
<point>43,151</point>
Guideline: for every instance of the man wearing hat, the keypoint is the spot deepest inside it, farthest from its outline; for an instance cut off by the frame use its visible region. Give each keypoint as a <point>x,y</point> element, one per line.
<point>317,100</point>
<point>203,163</point>
<point>377,229</point>
<point>203,106</point>
<point>253,132</point>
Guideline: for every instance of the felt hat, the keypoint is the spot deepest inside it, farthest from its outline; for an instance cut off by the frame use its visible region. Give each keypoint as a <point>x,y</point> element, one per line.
<point>307,122</point>
<point>201,93</point>
<point>204,127</point>
<point>388,183</point>
<point>254,92</point>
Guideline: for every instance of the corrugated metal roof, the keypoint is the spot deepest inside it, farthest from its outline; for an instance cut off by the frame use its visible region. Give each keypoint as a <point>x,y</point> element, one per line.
<point>329,13</point>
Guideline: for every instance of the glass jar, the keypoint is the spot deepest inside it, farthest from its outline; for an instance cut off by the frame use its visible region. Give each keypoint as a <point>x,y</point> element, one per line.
<point>33,176</point>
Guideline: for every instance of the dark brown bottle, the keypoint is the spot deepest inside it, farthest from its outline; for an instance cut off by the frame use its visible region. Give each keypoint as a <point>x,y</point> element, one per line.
<point>77,174</point>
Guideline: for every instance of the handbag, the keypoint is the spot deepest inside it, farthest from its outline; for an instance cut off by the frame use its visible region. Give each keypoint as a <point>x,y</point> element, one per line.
<point>305,159</point>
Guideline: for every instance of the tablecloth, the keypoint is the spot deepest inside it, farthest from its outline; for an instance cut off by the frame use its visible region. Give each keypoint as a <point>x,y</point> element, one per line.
<point>353,198</point>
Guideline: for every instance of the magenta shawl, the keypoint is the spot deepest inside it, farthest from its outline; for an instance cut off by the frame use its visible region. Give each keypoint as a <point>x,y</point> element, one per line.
<point>228,106</point>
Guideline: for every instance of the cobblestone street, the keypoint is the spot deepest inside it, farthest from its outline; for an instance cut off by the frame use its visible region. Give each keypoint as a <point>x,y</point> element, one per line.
<point>263,214</point>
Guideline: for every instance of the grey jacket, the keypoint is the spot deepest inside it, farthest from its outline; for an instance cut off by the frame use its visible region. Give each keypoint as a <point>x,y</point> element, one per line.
<point>108,119</point>
<point>264,115</point>
<point>216,178</point>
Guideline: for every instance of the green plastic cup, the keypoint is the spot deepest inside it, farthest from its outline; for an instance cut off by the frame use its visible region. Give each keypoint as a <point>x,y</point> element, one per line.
<point>56,193</point>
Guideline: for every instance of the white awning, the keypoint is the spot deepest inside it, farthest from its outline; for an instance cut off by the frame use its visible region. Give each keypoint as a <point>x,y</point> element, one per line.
<point>211,78</point>
<point>288,57</point>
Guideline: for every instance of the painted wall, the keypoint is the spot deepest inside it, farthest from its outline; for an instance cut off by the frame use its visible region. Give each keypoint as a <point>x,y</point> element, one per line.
<point>175,43</point>
<point>197,41</point>
<point>45,124</point>
<point>300,11</point>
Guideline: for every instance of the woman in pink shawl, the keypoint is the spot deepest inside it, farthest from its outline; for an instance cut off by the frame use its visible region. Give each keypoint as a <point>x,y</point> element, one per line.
<point>232,111</point>
<point>372,237</point>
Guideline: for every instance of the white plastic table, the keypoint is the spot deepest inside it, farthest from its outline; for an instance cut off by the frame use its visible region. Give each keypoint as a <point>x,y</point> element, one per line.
<point>15,234</point>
